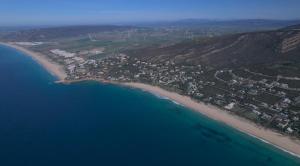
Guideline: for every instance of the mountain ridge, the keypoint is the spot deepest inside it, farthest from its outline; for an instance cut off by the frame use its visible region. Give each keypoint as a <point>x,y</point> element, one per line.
<point>237,49</point>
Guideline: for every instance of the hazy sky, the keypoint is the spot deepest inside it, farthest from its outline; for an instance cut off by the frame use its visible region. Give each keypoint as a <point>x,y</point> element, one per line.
<point>45,12</point>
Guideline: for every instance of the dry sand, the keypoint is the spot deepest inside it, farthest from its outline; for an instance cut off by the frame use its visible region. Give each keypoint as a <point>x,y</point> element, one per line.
<point>278,140</point>
<point>52,67</point>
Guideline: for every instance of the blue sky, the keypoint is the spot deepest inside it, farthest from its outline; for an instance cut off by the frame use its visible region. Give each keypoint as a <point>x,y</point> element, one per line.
<point>47,12</point>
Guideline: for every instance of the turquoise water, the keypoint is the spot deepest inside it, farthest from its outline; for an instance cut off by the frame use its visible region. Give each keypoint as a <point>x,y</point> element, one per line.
<point>46,124</point>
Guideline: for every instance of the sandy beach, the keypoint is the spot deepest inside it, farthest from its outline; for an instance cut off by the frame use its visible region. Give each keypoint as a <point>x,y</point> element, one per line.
<point>53,68</point>
<point>282,142</point>
<point>268,136</point>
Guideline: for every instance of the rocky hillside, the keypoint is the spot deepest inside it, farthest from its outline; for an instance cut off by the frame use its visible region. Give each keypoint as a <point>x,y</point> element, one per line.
<point>231,50</point>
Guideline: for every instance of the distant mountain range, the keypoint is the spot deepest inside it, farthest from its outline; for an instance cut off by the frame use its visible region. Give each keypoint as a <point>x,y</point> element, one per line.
<point>242,23</point>
<point>196,25</point>
<point>46,34</point>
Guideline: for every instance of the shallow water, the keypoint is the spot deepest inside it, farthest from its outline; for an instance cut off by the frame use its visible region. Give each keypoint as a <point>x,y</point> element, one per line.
<point>88,123</point>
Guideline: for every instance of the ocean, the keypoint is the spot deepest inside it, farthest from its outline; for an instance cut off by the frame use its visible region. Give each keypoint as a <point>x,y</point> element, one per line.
<point>87,124</point>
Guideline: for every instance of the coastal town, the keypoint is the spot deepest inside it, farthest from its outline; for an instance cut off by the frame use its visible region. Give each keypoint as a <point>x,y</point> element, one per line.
<point>150,83</point>
<point>270,101</point>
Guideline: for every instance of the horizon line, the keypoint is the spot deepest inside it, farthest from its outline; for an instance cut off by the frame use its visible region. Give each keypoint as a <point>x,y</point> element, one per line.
<point>128,23</point>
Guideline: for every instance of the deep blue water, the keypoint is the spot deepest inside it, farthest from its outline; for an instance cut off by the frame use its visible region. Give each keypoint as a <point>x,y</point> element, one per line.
<point>87,124</point>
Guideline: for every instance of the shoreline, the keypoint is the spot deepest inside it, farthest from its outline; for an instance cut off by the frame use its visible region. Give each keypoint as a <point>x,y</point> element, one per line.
<point>267,136</point>
<point>52,67</point>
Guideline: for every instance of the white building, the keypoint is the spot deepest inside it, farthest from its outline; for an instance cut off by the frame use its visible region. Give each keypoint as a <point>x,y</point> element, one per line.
<point>62,53</point>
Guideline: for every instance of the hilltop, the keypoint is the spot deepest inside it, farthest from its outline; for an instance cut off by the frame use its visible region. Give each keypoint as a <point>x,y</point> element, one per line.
<point>254,75</point>
<point>231,50</point>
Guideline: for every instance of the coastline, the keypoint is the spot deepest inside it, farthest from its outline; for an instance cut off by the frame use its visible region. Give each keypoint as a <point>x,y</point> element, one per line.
<point>52,67</point>
<point>268,136</point>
